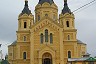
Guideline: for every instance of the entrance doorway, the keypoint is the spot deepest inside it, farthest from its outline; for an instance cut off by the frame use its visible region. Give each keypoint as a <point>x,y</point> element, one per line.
<point>47,58</point>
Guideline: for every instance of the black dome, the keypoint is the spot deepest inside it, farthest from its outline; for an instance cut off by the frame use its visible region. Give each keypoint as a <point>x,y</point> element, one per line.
<point>26,9</point>
<point>66,8</point>
<point>49,1</point>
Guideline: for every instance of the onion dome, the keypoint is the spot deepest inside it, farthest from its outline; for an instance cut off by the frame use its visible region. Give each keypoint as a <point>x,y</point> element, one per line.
<point>26,9</point>
<point>66,8</point>
<point>48,1</point>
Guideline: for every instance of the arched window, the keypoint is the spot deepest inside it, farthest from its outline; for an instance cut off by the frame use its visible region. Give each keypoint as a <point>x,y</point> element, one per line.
<point>38,17</point>
<point>54,17</point>
<point>73,23</point>
<point>24,38</point>
<point>68,37</point>
<point>62,22</point>
<point>67,23</point>
<point>69,54</point>
<point>30,24</point>
<point>46,14</point>
<point>41,38</point>
<point>51,38</point>
<point>25,24</point>
<point>24,55</point>
<point>46,35</point>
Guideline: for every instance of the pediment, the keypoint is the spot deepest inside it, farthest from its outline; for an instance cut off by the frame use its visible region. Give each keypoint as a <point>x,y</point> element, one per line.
<point>46,21</point>
<point>47,47</point>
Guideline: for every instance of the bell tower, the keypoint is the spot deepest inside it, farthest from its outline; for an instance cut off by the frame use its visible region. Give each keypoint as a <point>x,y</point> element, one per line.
<point>67,20</point>
<point>67,17</point>
<point>25,19</point>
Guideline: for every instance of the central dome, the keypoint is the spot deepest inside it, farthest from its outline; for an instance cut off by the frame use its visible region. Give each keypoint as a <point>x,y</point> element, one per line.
<point>43,1</point>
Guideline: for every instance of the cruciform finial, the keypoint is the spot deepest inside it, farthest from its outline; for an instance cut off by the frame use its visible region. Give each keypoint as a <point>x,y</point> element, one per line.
<point>26,0</point>
<point>65,1</point>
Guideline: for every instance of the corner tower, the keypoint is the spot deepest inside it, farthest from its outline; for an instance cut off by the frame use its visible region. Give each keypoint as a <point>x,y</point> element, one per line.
<point>67,17</point>
<point>67,20</point>
<point>21,46</point>
<point>46,8</point>
<point>70,41</point>
<point>25,19</point>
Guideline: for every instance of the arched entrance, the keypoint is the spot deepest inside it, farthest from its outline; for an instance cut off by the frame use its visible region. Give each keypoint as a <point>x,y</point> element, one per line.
<point>47,58</point>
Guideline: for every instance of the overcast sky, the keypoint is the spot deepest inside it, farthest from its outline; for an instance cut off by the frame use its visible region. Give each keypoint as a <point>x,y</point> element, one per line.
<point>85,21</point>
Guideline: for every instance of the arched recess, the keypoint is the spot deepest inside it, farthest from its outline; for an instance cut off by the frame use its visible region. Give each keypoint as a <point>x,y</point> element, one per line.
<point>46,35</point>
<point>69,54</point>
<point>47,58</point>
<point>46,50</point>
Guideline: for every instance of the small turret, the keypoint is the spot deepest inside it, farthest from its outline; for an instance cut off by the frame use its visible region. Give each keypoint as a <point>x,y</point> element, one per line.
<point>67,17</point>
<point>25,19</point>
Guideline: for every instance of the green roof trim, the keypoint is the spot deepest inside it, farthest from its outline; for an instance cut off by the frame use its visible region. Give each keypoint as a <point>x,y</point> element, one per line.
<point>4,62</point>
<point>91,59</point>
<point>95,58</point>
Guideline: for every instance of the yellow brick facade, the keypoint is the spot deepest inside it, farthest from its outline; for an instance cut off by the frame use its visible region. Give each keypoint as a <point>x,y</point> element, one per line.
<point>64,38</point>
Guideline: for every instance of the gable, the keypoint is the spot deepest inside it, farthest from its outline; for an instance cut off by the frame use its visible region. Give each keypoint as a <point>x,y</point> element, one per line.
<point>47,47</point>
<point>45,21</point>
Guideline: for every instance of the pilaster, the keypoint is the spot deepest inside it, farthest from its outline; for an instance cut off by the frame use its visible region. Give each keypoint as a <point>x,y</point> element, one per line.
<point>61,47</point>
<point>32,47</point>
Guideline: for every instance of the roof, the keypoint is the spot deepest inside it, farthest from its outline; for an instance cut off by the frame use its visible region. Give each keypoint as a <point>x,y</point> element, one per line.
<point>66,8</point>
<point>81,59</point>
<point>43,1</point>
<point>14,43</point>
<point>77,59</point>
<point>87,54</point>
<point>94,57</point>
<point>80,42</point>
<point>4,62</point>
<point>91,59</point>
<point>26,9</point>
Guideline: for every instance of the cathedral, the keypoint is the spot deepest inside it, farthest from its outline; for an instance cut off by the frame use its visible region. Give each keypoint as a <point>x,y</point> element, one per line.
<point>46,38</point>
